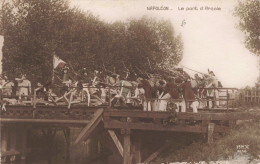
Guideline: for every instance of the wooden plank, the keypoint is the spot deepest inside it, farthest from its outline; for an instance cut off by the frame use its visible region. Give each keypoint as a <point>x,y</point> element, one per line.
<point>160,127</point>
<point>187,115</point>
<point>155,154</point>
<point>55,107</point>
<point>43,121</point>
<point>84,134</point>
<point>126,154</point>
<point>116,141</point>
<point>151,126</point>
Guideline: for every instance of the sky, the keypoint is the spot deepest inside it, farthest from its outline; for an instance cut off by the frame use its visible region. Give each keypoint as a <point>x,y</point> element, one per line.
<point>211,38</point>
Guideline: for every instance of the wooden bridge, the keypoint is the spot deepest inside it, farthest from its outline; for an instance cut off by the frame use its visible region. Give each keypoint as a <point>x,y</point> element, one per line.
<point>123,126</point>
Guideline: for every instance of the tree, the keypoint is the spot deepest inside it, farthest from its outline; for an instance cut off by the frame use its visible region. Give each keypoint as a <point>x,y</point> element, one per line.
<point>35,30</point>
<point>249,13</point>
<point>32,30</point>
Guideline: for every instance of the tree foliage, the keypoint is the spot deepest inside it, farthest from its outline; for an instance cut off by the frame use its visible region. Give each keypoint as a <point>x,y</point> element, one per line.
<point>34,30</point>
<point>249,13</point>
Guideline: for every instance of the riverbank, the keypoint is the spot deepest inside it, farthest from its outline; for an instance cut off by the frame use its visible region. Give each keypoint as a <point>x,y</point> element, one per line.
<point>241,142</point>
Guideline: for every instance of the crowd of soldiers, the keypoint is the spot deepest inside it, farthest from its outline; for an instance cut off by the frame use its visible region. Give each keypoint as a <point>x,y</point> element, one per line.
<point>20,87</point>
<point>153,92</point>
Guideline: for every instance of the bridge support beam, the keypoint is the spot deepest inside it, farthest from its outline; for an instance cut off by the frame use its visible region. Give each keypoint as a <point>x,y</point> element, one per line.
<point>23,136</point>
<point>116,141</point>
<point>66,132</point>
<point>13,139</point>
<point>156,153</point>
<point>137,148</point>
<point>127,146</point>
<point>210,132</point>
<point>4,141</point>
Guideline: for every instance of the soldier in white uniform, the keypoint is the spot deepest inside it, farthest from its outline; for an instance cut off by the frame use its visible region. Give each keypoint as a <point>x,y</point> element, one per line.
<point>24,86</point>
<point>7,87</point>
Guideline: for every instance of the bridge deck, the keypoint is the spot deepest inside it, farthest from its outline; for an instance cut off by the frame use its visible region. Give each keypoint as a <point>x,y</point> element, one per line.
<point>125,119</point>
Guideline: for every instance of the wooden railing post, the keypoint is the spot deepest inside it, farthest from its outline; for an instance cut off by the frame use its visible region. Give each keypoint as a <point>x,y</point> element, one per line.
<point>227,99</point>
<point>34,98</point>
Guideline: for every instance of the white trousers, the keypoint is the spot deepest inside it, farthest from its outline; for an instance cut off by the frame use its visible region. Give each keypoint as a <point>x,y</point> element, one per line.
<point>162,104</point>
<point>147,105</point>
<point>103,94</point>
<point>195,106</point>
<point>88,94</point>
<point>182,105</point>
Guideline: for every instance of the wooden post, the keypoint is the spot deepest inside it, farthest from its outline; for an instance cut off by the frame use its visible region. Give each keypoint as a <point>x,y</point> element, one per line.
<point>23,137</point>
<point>66,132</point>
<point>258,96</point>
<point>246,97</point>
<point>12,134</point>
<point>251,95</point>
<point>233,97</point>
<point>137,149</point>
<point>34,98</point>
<point>227,99</point>
<point>210,132</point>
<point>127,146</point>
<point>12,138</point>
<point>4,138</point>
<point>88,143</point>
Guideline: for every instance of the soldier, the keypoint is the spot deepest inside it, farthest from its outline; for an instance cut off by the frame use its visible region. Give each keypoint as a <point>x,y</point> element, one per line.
<point>24,86</point>
<point>215,83</point>
<point>188,95</point>
<point>170,91</point>
<point>66,80</point>
<point>184,75</point>
<point>7,87</point>
<point>143,83</point>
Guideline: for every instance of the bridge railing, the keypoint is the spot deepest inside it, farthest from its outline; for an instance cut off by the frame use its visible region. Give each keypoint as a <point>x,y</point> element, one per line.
<point>16,95</point>
<point>226,97</point>
<point>249,97</point>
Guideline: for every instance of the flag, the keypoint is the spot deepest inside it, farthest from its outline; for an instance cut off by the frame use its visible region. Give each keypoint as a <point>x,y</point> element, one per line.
<point>57,62</point>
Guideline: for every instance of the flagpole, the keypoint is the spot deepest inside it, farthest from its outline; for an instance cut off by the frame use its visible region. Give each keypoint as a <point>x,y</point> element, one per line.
<point>52,79</point>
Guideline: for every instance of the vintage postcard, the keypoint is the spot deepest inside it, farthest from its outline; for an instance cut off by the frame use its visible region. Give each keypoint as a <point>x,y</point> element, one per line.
<point>130,82</point>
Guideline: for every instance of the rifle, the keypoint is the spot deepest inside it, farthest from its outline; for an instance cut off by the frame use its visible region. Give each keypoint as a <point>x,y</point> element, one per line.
<point>193,70</point>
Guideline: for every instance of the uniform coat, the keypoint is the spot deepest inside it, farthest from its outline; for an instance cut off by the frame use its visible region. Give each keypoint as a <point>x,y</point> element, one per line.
<point>147,88</point>
<point>171,88</point>
<point>188,93</point>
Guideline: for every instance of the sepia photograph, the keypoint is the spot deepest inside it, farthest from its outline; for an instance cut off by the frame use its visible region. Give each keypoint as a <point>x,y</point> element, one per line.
<point>129,82</point>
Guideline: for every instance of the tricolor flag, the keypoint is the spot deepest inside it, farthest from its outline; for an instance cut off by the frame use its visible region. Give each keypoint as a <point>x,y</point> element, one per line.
<point>57,62</point>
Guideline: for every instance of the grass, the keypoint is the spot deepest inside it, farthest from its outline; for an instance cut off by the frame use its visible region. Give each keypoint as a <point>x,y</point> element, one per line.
<point>244,137</point>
